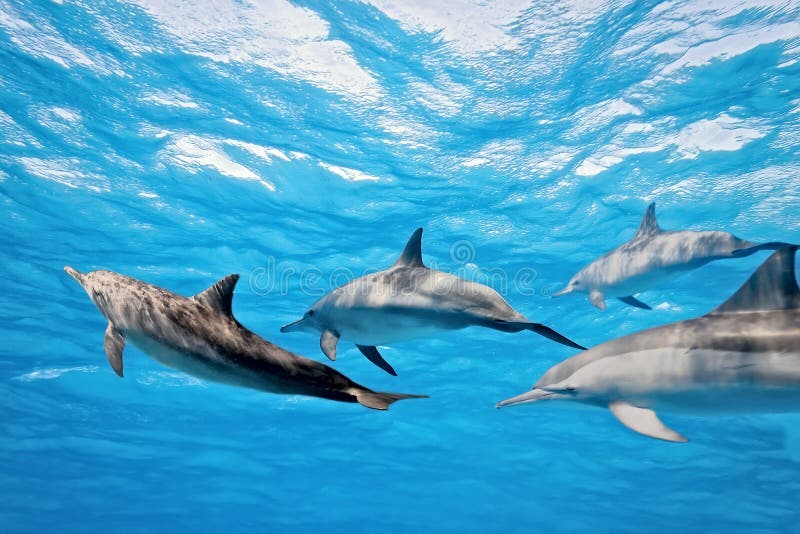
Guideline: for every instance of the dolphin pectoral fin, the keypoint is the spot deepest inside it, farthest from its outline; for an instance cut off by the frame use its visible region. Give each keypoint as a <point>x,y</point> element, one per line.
<point>644,421</point>
<point>549,333</point>
<point>633,301</point>
<point>328,343</point>
<point>375,357</point>
<point>598,300</point>
<point>114,343</point>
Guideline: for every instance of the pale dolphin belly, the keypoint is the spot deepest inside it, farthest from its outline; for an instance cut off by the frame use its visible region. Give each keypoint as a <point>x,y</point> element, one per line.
<point>699,381</point>
<point>371,314</point>
<point>213,369</point>
<point>729,400</point>
<point>379,326</point>
<point>640,283</point>
<point>630,272</point>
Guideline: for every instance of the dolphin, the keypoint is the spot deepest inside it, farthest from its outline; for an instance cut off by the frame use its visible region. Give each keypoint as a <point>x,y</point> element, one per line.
<point>653,256</point>
<point>200,337</point>
<point>408,301</point>
<point>744,356</point>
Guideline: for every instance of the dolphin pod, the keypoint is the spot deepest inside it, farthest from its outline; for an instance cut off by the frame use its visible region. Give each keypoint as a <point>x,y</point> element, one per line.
<point>407,301</point>
<point>200,337</point>
<point>653,256</point>
<point>744,356</point>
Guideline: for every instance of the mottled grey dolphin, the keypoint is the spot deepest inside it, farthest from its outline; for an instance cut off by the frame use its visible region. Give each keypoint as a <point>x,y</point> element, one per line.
<point>408,301</point>
<point>653,256</point>
<point>200,337</point>
<point>742,357</point>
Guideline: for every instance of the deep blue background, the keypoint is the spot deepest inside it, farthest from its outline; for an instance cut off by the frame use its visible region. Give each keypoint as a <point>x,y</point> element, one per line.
<point>179,142</point>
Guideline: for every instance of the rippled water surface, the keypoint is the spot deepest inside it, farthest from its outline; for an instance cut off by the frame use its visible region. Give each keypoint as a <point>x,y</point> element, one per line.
<point>300,143</point>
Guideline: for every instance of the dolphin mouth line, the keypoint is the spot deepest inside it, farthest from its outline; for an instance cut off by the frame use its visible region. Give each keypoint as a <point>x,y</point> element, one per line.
<point>291,327</point>
<point>74,273</point>
<point>533,395</point>
<point>564,291</point>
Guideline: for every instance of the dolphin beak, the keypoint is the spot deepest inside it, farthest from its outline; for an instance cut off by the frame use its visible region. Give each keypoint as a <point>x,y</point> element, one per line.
<point>529,396</point>
<point>296,326</point>
<point>76,275</point>
<point>564,291</point>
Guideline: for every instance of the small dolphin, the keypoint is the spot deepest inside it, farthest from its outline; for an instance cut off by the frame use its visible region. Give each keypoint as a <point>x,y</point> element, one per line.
<point>408,301</point>
<point>200,337</point>
<point>653,256</point>
<point>744,356</point>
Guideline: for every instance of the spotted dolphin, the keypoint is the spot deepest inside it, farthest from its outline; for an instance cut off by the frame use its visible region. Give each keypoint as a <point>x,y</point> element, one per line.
<point>653,256</point>
<point>742,357</point>
<point>408,301</point>
<point>200,337</point>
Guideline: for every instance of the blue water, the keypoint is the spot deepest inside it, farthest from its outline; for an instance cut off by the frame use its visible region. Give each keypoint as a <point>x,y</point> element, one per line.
<point>300,144</point>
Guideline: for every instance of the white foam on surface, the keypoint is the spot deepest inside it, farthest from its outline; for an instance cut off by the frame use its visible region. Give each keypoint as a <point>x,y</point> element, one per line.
<point>14,134</point>
<point>55,372</point>
<point>470,27</point>
<point>168,379</point>
<point>173,99</point>
<point>68,115</point>
<point>40,39</point>
<point>275,34</point>
<point>194,153</point>
<point>351,175</point>
<point>266,153</point>
<point>65,171</point>
<point>728,46</point>
<point>724,133</point>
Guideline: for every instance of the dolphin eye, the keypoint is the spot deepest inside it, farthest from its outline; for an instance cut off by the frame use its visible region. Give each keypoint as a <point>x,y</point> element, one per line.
<point>576,283</point>
<point>310,313</point>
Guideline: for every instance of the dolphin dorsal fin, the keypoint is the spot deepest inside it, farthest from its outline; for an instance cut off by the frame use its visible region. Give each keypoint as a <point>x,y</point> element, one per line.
<point>220,295</point>
<point>649,224</point>
<point>412,254</point>
<point>772,287</point>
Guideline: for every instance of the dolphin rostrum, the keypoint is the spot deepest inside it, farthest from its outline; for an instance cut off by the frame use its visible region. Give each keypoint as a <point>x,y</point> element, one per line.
<point>653,256</point>
<point>744,356</point>
<point>406,301</point>
<point>200,337</point>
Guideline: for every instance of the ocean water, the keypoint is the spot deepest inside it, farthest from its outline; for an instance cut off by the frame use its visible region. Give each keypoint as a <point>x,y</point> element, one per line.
<point>300,144</point>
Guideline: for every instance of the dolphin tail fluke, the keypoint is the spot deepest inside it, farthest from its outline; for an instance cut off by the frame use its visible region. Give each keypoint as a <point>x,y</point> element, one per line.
<point>542,330</point>
<point>381,401</point>
<point>772,245</point>
<point>549,333</point>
